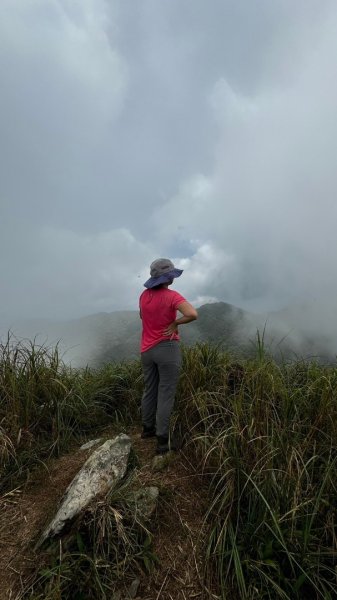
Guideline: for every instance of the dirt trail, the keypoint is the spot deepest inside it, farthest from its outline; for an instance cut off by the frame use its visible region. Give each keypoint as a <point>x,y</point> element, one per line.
<point>180,513</point>
<point>23,514</point>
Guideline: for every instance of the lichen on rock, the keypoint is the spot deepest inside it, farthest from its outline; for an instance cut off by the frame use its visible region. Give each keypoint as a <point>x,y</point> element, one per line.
<point>100,473</point>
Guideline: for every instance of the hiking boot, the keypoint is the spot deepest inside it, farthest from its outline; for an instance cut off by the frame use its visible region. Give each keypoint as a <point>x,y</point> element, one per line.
<point>164,445</point>
<point>148,432</point>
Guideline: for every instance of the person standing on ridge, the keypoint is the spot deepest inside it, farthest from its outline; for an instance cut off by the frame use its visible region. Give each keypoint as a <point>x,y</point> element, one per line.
<point>160,349</point>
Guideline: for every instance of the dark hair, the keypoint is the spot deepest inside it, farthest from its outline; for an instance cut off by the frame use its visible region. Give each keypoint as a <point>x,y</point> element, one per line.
<point>161,285</point>
<point>157,287</point>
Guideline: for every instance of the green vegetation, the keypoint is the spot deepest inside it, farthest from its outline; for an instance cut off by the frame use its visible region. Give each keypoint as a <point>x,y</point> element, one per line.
<point>46,406</point>
<point>109,544</point>
<point>264,435</point>
<point>267,437</point>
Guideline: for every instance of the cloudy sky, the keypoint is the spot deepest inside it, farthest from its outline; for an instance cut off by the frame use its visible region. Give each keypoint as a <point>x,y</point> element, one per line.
<point>134,129</point>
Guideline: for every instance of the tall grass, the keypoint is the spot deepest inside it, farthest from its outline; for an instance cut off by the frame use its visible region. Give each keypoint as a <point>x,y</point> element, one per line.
<point>267,439</point>
<point>265,436</point>
<point>45,405</point>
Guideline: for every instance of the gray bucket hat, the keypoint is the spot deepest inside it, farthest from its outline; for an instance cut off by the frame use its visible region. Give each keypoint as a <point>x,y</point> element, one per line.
<point>162,270</point>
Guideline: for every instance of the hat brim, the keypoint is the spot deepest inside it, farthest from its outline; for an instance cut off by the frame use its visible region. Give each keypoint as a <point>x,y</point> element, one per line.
<point>165,278</point>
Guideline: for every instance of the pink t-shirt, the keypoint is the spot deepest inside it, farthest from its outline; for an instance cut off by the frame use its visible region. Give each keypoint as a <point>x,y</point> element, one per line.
<point>158,308</point>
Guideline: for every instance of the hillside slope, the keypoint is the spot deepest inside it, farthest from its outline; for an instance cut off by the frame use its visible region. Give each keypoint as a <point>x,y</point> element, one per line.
<point>115,336</point>
<point>302,331</point>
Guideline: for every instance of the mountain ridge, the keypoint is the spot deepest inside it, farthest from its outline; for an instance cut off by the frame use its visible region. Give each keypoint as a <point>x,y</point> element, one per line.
<point>103,337</point>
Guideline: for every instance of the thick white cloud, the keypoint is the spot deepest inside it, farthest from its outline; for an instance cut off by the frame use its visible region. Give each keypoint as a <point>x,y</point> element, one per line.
<point>269,202</point>
<point>130,132</point>
<point>64,273</point>
<point>63,85</point>
<point>63,47</point>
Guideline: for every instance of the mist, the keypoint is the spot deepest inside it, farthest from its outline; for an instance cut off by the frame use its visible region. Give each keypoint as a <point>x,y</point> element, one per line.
<point>206,134</point>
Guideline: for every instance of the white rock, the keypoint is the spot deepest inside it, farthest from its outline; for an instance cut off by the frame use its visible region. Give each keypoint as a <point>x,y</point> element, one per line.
<point>90,444</point>
<point>103,469</point>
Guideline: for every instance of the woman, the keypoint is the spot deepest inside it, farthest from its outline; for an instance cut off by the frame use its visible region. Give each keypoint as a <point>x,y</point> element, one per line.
<point>160,350</point>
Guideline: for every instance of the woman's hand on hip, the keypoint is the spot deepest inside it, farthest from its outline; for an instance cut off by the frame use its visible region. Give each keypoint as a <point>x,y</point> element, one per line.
<point>171,330</point>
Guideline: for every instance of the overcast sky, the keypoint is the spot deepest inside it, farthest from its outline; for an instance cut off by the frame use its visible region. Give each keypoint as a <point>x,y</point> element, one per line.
<point>136,129</point>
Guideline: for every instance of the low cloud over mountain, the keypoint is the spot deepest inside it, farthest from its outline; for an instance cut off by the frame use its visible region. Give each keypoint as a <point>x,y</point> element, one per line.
<point>105,337</point>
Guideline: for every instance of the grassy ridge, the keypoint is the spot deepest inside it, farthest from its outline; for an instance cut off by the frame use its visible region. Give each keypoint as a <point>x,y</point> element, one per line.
<point>268,438</point>
<point>264,435</point>
<point>45,405</point>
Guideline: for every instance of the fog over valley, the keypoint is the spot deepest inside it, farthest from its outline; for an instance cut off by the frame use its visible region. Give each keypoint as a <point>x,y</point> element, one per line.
<point>205,133</point>
<point>104,337</point>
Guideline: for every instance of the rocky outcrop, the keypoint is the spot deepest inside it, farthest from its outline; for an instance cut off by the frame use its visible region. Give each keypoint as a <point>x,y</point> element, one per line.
<point>99,474</point>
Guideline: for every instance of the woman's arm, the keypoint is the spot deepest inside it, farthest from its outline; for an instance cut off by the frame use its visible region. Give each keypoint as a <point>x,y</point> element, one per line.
<point>189,314</point>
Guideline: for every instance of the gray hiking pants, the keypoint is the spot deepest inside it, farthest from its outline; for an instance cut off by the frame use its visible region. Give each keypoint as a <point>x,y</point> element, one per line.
<point>161,366</point>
